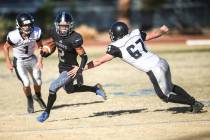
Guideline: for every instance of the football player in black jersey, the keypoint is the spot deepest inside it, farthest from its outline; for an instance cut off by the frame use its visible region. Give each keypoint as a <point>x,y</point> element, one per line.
<point>69,45</point>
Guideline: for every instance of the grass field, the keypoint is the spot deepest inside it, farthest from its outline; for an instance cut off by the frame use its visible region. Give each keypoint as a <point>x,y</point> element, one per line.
<point>132,111</point>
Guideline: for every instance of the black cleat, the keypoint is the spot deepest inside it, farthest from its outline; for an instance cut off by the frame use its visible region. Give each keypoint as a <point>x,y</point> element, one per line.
<point>40,101</point>
<point>197,107</point>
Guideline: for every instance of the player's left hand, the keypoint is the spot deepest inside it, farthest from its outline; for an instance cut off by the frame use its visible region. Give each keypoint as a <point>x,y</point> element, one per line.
<point>73,72</point>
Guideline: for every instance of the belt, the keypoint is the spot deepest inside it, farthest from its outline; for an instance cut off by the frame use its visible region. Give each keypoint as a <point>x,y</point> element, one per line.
<point>24,58</point>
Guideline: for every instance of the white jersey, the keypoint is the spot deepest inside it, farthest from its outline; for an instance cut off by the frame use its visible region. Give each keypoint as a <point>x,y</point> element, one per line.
<point>23,48</point>
<point>131,49</point>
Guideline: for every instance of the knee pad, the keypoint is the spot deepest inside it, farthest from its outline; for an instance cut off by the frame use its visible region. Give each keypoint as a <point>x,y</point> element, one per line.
<point>163,94</point>
<point>38,81</point>
<point>26,83</point>
<point>37,78</point>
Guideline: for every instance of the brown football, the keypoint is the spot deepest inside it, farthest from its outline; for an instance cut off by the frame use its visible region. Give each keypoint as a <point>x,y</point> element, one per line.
<point>49,46</point>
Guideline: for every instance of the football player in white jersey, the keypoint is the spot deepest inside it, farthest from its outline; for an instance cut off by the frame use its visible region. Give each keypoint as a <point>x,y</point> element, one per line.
<point>23,42</point>
<point>130,48</point>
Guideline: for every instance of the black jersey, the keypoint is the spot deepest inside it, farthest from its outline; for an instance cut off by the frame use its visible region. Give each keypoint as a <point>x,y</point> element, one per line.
<point>66,49</point>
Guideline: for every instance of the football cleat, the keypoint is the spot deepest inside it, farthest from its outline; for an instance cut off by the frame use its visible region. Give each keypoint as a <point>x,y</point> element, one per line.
<point>40,101</point>
<point>197,107</point>
<point>43,117</point>
<point>100,91</point>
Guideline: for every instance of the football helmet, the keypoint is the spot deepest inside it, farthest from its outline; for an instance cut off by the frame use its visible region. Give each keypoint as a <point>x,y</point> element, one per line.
<point>63,23</point>
<point>25,23</point>
<point>118,30</point>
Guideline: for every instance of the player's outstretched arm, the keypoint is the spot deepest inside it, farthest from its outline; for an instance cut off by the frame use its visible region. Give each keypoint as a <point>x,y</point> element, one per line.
<point>98,61</point>
<point>92,64</point>
<point>157,33</point>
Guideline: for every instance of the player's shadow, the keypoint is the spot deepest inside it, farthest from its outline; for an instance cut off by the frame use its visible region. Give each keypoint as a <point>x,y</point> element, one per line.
<point>75,105</point>
<point>176,110</point>
<point>68,105</point>
<point>107,114</point>
<point>117,113</point>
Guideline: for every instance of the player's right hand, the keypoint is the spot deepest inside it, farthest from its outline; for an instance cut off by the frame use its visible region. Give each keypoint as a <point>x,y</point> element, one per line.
<point>73,72</point>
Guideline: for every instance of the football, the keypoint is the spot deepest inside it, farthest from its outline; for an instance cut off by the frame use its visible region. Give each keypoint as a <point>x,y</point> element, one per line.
<point>48,48</point>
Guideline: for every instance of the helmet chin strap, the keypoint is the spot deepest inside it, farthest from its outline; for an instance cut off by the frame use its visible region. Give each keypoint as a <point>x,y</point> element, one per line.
<point>26,32</point>
<point>65,33</point>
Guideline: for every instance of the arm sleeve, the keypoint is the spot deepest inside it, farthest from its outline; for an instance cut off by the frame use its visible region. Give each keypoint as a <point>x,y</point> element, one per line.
<point>84,60</point>
<point>114,51</point>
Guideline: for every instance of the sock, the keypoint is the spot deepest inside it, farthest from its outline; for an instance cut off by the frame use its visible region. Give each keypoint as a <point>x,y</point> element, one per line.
<point>30,101</point>
<point>51,100</point>
<point>84,88</point>
<point>38,94</point>
<point>29,97</point>
<point>180,91</point>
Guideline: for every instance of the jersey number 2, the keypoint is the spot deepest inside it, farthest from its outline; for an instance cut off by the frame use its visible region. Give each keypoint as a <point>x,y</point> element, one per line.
<point>60,54</point>
<point>136,54</point>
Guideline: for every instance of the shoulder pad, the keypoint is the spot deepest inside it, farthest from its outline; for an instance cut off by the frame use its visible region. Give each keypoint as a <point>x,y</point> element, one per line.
<point>77,40</point>
<point>13,37</point>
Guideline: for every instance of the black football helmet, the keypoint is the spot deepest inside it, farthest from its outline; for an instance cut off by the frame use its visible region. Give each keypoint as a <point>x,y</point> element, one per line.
<point>63,19</point>
<point>118,30</point>
<point>25,19</point>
